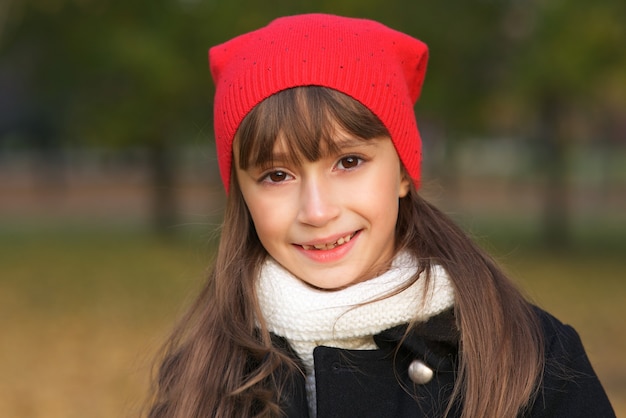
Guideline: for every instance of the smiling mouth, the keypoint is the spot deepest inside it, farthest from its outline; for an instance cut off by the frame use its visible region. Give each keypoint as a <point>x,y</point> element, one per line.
<point>330,245</point>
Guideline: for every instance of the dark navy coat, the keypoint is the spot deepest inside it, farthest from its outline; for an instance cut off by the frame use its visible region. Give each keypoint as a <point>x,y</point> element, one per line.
<point>374,383</point>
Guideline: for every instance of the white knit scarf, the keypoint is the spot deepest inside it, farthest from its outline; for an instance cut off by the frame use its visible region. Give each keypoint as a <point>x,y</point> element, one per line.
<point>348,318</point>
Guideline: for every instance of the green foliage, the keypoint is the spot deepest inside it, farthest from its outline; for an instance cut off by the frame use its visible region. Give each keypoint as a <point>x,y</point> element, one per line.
<point>125,73</point>
<point>566,52</point>
<point>135,74</point>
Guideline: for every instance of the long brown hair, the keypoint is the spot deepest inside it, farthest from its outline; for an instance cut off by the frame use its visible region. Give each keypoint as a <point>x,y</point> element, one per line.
<point>220,360</point>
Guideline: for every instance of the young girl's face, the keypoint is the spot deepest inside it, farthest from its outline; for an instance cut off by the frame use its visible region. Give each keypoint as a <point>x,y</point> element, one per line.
<point>330,222</point>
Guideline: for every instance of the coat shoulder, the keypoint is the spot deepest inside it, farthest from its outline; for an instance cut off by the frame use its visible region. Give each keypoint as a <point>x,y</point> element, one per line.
<point>570,386</point>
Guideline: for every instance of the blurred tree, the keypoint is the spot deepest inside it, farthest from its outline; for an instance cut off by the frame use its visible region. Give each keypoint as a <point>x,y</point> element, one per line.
<point>562,63</point>
<point>135,74</point>
<point>116,74</point>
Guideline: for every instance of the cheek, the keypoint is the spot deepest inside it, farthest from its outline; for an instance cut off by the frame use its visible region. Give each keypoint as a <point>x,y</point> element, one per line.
<point>377,202</point>
<point>269,218</point>
<point>383,189</point>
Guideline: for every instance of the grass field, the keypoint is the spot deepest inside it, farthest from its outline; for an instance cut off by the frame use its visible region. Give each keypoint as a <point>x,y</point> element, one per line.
<point>82,312</point>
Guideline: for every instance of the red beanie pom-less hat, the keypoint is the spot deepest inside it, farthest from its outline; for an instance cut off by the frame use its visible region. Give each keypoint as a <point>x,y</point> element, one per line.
<point>381,68</point>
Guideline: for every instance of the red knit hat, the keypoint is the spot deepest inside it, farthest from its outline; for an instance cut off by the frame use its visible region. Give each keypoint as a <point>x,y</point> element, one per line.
<point>381,68</point>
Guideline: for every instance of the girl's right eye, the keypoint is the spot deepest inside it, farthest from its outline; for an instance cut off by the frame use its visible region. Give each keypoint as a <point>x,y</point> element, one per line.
<point>275,177</point>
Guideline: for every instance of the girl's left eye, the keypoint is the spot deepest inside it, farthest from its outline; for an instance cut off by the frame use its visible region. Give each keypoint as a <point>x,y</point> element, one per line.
<point>349,162</point>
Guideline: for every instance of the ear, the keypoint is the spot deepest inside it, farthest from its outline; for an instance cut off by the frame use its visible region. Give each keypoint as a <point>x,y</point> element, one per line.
<point>404,186</point>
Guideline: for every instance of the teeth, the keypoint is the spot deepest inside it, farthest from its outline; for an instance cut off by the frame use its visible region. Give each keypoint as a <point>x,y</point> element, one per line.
<point>329,246</point>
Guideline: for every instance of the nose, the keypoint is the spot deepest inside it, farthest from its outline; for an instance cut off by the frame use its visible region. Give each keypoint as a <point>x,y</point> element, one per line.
<point>318,203</point>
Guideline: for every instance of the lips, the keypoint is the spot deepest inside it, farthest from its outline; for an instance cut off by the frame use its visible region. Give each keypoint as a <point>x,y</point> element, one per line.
<point>329,245</point>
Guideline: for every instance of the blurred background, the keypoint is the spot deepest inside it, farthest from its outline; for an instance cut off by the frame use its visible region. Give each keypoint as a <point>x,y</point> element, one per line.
<point>110,198</point>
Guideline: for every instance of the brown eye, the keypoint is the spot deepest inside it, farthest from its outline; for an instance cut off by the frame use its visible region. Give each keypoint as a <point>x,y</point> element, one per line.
<point>349,162</point>
<point>277,176</point>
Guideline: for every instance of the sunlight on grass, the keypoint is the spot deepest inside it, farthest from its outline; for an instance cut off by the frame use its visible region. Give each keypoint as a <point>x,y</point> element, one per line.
<point>83,312</point>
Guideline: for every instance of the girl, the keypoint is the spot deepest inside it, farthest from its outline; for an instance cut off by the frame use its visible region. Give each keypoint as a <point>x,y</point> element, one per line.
<point>337,290</point>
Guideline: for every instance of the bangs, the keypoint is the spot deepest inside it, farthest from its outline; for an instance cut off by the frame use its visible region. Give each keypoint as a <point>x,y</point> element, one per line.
<point>307,120</point>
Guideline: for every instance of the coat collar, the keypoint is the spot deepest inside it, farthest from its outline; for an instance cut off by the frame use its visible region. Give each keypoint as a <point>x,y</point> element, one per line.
<point>435,341</point>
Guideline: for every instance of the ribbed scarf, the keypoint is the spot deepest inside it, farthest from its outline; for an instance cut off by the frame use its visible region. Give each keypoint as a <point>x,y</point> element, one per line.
<point>348,318</point>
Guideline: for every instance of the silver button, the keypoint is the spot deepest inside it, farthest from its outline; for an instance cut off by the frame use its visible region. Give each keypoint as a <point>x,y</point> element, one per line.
<point>419,372</point>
